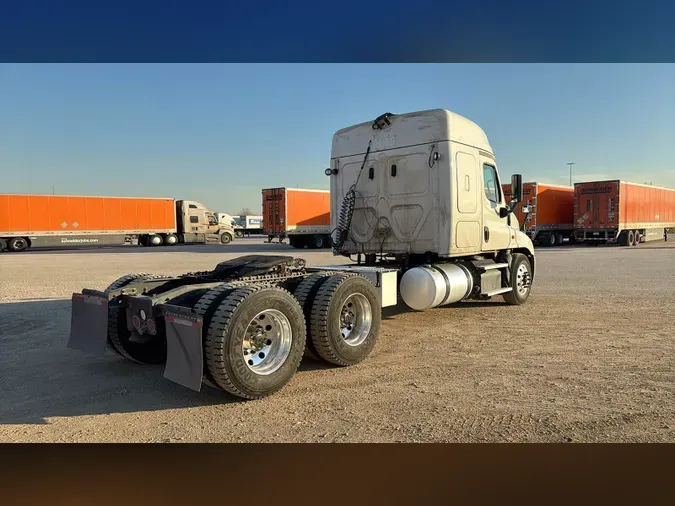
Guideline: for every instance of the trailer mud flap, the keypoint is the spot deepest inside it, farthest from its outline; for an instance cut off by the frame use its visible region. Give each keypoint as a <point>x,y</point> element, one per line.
<point>184,353</point>
<point>89,322</point>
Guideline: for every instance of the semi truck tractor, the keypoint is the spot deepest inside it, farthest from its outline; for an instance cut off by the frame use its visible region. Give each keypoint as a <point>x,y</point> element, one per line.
<point>546,213</point>
<point>302,216</point>
<point>57,221</point>
<point>416,203</point>
<point>226,219</point>
<point>620,212</point>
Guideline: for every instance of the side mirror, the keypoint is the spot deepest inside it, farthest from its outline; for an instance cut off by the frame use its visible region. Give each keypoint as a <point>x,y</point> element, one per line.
<point>516,188</point>
<point>504,212</point>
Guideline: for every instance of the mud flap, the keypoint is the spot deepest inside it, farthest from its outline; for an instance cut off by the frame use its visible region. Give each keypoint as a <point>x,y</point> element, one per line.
<point>184,354</point>
<point>89,322</point>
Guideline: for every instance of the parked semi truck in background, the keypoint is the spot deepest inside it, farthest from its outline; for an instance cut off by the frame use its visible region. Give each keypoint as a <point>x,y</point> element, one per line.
<point>621,212</point>
<point>248,224</point>
<point>415,198</point>
<point>226,219</point>
<point>302,216</point>
<point>57,221</point>
<point>546,213</point>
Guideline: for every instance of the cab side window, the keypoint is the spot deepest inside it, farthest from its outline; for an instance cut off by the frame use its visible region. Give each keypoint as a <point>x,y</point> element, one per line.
<point>491,185</point>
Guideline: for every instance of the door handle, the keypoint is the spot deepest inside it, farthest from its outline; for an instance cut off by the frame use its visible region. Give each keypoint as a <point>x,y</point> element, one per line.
<point>486,233</point>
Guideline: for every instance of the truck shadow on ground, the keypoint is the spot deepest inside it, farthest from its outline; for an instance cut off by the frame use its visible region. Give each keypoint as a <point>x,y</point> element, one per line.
<point>241,246</point>
<point>41,378</point>
<point>391,312</point>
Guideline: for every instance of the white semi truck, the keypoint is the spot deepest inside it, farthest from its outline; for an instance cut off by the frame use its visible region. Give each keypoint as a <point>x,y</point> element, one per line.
<point>416,203</point>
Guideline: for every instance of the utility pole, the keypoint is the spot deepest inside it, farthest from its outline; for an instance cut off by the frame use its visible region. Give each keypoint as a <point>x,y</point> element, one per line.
<point>52,190</point>
<point>570,164</point>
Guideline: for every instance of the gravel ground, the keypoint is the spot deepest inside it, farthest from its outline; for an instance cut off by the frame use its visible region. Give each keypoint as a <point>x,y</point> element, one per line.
<point>589,358</point>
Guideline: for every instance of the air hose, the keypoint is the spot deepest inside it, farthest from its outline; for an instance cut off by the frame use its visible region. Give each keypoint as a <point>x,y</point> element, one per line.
<point>344,222</point>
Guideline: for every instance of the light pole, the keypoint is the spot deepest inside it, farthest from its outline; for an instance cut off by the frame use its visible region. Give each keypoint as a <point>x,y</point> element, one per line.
<point>570,164</point>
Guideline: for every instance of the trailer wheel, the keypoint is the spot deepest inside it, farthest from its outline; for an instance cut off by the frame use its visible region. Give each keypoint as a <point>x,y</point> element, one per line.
<point>631,238</point>
<point>226,238</point>
<point>318,241</point>
<point>255,342</point>
<point>636,240</point>
<point>119,335</point>
<point>297,241</point>
<point>305,292</point>
<point>171,239</point>
<point>3,245</point>
<point>550,240</point>
<point>559,239</point>
<point>17,244</point>
<point>239,233</point>
<point>346,319</point>
<point>521,278</point>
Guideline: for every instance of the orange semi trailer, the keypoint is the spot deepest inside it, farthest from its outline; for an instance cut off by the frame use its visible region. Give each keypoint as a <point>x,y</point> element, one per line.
<point>65,221</point>
<point>302,216</point>
<point>549,219</point>
<point>621,212</point>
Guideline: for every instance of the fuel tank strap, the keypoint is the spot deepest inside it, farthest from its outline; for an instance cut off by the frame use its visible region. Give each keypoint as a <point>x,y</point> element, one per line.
<point>447,284</point>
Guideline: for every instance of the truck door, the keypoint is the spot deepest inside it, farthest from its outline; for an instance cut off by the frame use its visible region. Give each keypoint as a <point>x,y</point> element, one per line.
<point>496,232</point>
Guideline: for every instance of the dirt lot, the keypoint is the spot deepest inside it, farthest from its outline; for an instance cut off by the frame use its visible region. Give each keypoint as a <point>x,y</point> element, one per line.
<point>590,357</point>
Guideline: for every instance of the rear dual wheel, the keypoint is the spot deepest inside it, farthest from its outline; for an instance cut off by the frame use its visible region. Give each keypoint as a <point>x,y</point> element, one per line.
<point>255,341</point>
<point>344,319</point>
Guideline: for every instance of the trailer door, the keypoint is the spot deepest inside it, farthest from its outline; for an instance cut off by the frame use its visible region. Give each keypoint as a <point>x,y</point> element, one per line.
<point>599,205</point>
<point>274,211</point>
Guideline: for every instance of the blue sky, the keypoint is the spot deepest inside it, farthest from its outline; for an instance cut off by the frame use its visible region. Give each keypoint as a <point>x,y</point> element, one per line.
<point>220,133</point>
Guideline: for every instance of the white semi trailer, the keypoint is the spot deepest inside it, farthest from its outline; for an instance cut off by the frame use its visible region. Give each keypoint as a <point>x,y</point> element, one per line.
<point>416,203</point>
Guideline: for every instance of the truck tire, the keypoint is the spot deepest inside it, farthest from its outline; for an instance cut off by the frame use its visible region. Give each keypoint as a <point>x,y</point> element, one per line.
<point>631,238</point>
<point>239,233</point>
<point>226,238</point>
<point>205,307</point>
<point>305,292</point>
<point>636,239</point>
<point>170,239</point>
<point>318,241</point>
<point>3,245</point>
<point>550,240</point>
<point>559,239</point>
<point>345,319</point>
<point>252,368</point>
<point>119,336</point>
<point>521,276</point>
<point>17,244</point>
<point>155,240</point>
<point>296,241</point>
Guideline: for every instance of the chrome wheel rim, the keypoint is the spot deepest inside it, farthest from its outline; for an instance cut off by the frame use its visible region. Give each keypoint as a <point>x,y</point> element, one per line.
<point>267,342</point>
<point>356,319</point>
<point>522,279</point>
